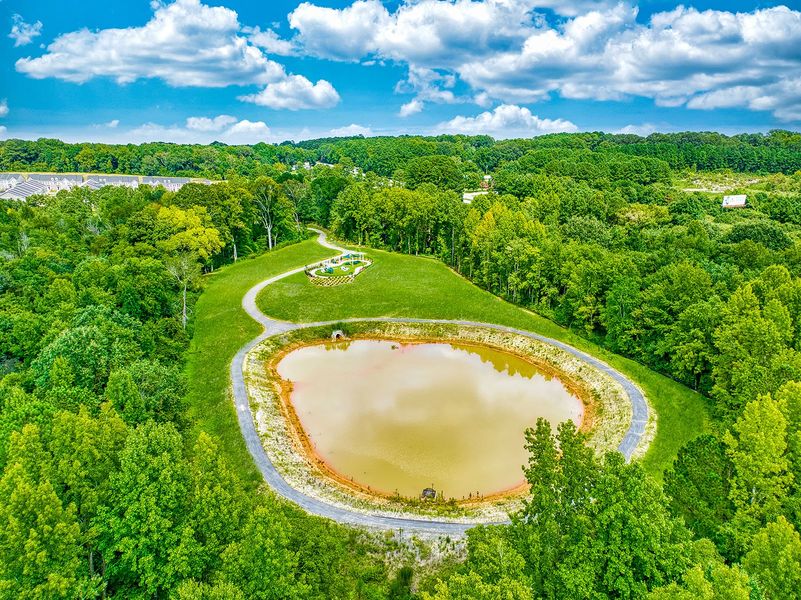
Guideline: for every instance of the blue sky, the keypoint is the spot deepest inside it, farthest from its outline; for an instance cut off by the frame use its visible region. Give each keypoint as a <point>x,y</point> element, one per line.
<point>245,71</point>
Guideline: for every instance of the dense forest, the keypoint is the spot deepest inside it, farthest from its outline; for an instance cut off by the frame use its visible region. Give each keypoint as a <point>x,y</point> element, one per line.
<point>108,489</point>
<point>776,152</point>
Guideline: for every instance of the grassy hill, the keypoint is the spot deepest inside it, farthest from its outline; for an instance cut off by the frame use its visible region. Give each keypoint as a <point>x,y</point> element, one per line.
<point>408,286</point>
<point>396,285</point>
<point>221,328</point>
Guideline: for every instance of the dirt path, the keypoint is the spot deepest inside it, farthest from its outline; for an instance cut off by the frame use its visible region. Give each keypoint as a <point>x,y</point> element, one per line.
<point>353,517</point>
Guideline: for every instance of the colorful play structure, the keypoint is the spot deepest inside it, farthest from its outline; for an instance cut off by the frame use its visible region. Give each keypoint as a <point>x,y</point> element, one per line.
<point>338,270</point>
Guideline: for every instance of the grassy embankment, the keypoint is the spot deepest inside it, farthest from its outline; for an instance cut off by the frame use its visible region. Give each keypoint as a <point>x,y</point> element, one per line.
<point>221,328</point>
<point>406,286</point>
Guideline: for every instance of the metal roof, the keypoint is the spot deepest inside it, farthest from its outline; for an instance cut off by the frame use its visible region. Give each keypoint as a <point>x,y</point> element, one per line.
<point>69,180</point>
<point>159,179</point>
<point>117,179</point>
<point>55,177</point>
<point>734,200</point>
<point>93,184</point>
<point>25,189</point>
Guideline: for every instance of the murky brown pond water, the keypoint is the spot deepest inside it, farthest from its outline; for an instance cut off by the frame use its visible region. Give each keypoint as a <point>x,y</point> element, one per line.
<point>402,417</point>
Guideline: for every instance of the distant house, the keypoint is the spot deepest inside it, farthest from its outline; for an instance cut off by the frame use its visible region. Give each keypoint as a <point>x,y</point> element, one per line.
<point>25,189</point>
<point>468,197</point>
<point>18,186</point>
<point>736,201</point>
<point>6,183</point>
<point>93,184</point>
<point>129,181</point>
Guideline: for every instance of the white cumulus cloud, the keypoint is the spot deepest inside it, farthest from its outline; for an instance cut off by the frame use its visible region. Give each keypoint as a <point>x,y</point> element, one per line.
<point>247,132</point>
<point>342,34</point>
<point>411,108</point>
<point>505,121</point>
<point>217,123</point>
<point>23,33</point>
<point>269,41</point>
<point>295,93</point>
<point>644,130</point>
<point>351,130</point>
<point>508,51</point>
<point>3,107</point>
<point>186,44</point>
<point>425,32</point>
<point>198,130</point>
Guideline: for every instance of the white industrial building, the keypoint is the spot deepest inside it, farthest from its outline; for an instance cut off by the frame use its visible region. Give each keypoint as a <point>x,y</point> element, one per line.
<point>734,201</point>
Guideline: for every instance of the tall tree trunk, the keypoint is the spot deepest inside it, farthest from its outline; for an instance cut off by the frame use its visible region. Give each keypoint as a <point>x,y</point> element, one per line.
<point>452,242</point>
<point>183,314</point>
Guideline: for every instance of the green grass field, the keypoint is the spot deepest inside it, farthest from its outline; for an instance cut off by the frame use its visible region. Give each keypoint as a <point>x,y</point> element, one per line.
<point>406,286</point>
<point>221,328</point>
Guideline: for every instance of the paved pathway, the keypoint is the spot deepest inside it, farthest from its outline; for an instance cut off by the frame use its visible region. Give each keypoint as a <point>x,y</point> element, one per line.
<point>343,515</point>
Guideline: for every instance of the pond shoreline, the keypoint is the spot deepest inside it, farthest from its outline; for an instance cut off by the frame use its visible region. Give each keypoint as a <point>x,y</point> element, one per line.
<point>297,460</point>
<point>305,445</point>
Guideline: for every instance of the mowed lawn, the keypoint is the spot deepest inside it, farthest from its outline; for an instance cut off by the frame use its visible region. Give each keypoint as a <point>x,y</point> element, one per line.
<point>221,328</point>
<point>406,286</point>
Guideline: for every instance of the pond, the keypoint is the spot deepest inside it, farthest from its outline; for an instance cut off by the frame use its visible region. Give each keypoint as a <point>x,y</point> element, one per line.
<point>400,417</point>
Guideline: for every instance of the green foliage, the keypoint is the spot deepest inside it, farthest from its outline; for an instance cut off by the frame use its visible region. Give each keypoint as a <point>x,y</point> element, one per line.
<point>124,396</point>
<point>589,528</point>
<point>757,445</point>
<point>194,590</point>
<point>768,233</point>
<point>440,171</point>
<point>716,582</point>
<point>122,479</point>
<point>609,512</point>
<point>218,505</point>
<point>775,560</point>
<point>699,486</point>
<point>473,587</point>
<point>40,539</point>
<point>262,563</point>
<point>144,524</point>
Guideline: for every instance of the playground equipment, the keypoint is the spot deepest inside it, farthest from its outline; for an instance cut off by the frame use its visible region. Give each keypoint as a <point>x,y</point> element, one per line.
<point>338,270</point>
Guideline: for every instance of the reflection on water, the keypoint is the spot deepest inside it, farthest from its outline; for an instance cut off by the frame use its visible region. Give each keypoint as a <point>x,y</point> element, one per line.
<point>402,417</point>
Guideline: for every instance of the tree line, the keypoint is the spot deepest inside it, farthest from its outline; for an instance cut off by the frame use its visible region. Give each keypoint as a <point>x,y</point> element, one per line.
<point>775,152</point>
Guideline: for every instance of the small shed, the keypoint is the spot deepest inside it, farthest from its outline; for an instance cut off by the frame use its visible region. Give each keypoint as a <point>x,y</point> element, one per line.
<point>734,201</point>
